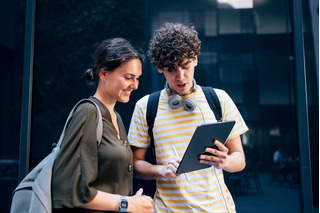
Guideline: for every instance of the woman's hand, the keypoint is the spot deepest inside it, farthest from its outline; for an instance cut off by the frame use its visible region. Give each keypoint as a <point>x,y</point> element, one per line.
<point>140,203</point>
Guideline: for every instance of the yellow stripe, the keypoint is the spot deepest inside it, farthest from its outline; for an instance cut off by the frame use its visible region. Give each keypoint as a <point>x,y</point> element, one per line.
<point>172,124</point>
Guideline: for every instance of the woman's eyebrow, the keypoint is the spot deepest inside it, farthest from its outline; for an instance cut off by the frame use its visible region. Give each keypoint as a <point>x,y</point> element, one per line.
<point>132,75</point>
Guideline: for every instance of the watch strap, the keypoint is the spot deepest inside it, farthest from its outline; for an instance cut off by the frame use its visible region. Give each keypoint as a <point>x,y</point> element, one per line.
<point>123,205</point>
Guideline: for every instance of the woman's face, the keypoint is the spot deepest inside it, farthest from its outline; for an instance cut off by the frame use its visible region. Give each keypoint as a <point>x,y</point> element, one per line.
<point>119,84</point>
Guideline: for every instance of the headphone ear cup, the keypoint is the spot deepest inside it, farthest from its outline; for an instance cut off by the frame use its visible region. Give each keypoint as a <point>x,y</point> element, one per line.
<point>174,101</point>
<point>189,104</point>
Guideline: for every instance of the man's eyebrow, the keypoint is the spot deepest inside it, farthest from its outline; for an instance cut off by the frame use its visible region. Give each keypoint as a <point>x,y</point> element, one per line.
<point>185,63</point>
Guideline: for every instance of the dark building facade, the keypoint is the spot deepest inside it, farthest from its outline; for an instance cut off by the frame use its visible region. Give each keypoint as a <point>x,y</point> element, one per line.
<point>264,53</point>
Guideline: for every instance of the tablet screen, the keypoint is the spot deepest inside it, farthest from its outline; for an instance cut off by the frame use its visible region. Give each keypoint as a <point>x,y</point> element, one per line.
<point>203,136</point>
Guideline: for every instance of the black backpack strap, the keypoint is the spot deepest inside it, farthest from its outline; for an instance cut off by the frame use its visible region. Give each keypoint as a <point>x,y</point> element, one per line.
<point>213,101</point>
<point>152,109</point>
<point>149,186</point>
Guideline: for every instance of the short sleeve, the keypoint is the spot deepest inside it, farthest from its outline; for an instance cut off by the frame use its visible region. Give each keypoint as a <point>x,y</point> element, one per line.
<point>138,130</point>
<point>231,112</point>
<point>76,166</point>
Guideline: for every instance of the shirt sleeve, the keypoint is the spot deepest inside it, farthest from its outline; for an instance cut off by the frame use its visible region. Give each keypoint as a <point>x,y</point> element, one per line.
<point>231,112</point>
<point>76,166</point>
<point>138,130</point>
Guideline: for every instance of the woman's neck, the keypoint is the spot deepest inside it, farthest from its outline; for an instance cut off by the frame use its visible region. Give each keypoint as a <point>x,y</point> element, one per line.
<point>109,104</point>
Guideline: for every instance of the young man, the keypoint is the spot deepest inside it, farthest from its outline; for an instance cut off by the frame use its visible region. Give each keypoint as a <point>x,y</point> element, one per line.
<point>173,50</point>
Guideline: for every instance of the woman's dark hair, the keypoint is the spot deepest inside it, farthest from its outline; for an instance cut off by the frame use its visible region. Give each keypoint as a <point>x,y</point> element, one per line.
<point>172,44</point>
<point>110,55</point>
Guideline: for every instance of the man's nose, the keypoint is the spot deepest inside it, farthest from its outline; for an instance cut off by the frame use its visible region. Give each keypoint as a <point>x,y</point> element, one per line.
<point>179,73</point>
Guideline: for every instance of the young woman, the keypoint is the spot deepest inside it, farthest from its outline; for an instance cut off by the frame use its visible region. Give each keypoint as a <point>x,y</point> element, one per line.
<point>90,178</point>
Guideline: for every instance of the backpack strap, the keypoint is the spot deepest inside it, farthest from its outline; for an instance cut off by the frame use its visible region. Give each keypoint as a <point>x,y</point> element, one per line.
<point>213,102</point>
<point>152,109</point>
<point>99,121</point>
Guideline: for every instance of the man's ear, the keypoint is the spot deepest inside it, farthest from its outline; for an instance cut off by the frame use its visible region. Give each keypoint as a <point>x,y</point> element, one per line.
<point>159,70</point>
<point>196,61</point>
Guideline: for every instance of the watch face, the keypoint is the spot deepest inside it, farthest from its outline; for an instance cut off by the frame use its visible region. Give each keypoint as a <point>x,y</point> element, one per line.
<point>124,204</point>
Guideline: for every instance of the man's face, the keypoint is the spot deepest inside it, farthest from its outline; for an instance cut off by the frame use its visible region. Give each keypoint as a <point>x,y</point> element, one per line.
<point>181,80</point>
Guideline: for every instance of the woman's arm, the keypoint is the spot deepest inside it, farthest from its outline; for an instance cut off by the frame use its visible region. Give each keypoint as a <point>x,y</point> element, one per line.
<point>110,202</point>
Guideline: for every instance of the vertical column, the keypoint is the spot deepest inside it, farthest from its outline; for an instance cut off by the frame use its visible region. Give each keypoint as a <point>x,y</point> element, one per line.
<point>302,108</point>
<point>26,102</point>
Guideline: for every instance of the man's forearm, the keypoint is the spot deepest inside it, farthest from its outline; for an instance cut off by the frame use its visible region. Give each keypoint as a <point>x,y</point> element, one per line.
<point>146,170</point>
<point>236,162</point>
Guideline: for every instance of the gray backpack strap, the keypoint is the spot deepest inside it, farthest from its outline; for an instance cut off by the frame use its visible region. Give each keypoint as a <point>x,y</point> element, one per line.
<point>99,121</point>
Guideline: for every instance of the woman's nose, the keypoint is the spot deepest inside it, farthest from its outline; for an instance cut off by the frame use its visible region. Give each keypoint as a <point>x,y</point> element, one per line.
<point>135,84</point>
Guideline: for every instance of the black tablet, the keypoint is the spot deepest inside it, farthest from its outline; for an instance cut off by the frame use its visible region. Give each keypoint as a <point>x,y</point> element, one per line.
<point>203,137</point>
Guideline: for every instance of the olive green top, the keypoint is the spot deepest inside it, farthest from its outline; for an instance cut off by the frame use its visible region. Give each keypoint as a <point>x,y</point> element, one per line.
<point>82,167</point>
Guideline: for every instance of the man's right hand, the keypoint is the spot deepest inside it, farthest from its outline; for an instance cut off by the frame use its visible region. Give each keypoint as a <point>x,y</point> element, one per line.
<point>169,170</point>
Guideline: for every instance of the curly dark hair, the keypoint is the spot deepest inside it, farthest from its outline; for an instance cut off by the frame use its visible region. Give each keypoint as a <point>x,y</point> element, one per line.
<point>172,44</point>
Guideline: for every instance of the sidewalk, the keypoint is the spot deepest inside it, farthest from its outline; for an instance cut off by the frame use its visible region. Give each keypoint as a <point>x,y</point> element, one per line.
<point>273,199</point>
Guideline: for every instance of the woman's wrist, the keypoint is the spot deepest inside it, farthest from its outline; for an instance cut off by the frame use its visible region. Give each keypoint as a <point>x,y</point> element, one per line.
<point>123,204</point>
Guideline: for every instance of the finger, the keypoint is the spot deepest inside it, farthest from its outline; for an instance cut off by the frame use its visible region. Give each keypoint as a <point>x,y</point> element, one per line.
<point>176,158</point>
<point>220,145</point>
<point>174,174</point>
<point>209,158</point>
<point>139,192</point>
<point>211,152</point>
<point>174,163</point>
<point>206,162</point>
<point>171,171</point>
<point>206,157</point>
<point>216,165</point>
<point>171,167</point>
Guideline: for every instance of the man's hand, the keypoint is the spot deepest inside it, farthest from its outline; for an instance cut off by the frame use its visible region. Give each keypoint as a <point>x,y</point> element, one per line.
<point>169,170</point>
<point>216,157</point>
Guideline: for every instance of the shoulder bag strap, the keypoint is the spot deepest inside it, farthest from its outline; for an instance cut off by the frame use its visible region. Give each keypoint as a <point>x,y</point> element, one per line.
<point>99,121</point>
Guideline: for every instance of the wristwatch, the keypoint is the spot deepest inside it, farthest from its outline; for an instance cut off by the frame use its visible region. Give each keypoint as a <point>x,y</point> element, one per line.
<point>123,205</point>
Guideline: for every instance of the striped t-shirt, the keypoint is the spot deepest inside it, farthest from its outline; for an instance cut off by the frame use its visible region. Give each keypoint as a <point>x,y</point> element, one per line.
<point>206,191</point>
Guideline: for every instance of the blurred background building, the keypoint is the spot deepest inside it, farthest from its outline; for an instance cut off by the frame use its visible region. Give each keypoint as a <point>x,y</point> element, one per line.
<point>264,53</point>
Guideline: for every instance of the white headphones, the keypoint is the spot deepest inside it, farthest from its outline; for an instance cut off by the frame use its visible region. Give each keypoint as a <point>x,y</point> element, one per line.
<point>175,100</point>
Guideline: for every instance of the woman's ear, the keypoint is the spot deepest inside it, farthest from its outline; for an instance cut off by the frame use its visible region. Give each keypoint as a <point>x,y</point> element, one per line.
<point>103,74</point>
